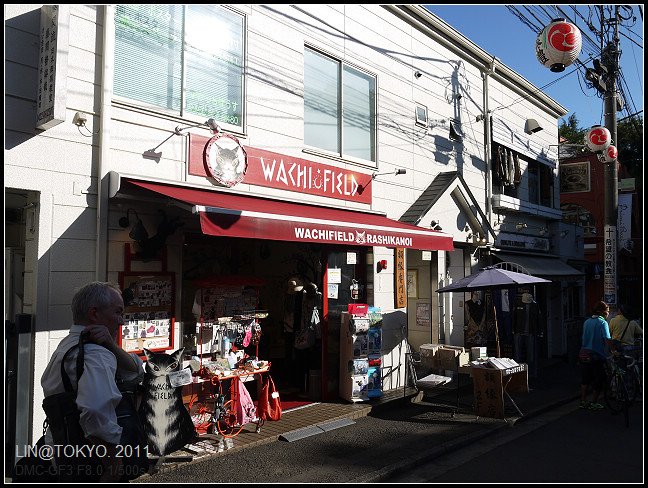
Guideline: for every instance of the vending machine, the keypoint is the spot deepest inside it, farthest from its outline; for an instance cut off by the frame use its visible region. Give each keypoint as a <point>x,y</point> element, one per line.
<point>360,356</point>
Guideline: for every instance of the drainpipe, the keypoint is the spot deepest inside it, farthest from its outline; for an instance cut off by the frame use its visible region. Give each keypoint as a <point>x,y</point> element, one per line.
<point>106,85</point>
<point>487,145</point>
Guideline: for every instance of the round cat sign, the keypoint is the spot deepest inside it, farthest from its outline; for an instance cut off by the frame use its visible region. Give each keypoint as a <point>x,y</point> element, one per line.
<point>226,160</point>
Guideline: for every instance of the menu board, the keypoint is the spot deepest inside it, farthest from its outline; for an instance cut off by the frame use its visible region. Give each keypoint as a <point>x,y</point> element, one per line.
<point>149,300</point>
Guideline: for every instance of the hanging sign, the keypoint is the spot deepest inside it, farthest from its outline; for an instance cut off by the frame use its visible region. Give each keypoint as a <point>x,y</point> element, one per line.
<point>226,160</point>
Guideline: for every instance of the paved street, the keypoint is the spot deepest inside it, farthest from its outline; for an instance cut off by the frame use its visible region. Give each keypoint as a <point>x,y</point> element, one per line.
<point>562,445</point>
<point>566,445</point>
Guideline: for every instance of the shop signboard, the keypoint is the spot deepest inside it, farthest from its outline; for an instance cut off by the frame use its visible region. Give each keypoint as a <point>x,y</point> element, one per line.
<point>281,171</point>
<point>400,285</point>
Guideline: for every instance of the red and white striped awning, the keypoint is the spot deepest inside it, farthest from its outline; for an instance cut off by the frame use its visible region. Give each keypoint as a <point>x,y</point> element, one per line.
<point>236,215</point>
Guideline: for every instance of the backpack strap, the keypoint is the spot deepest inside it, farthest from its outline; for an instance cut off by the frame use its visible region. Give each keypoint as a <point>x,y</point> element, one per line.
<point>67,384</point>
<point>624,331</point>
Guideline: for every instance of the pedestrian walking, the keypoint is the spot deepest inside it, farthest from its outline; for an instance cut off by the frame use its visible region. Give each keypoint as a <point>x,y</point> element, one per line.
<point>595,343</point>
<point>624,330</point>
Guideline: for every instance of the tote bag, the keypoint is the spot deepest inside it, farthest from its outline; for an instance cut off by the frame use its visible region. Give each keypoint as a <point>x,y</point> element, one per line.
<point>245,409</point>
<point>269,402</point>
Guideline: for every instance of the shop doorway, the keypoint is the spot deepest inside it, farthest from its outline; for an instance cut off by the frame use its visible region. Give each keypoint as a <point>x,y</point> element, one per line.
<point>273,279</point>
<point>283,282</point>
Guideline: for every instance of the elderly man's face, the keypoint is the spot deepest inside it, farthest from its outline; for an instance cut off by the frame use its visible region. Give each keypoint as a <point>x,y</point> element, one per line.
<point>112,315</point>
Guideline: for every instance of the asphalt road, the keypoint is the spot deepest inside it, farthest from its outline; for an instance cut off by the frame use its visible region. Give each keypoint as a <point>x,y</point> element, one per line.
<point>563,445</point>
<point>566,445</point>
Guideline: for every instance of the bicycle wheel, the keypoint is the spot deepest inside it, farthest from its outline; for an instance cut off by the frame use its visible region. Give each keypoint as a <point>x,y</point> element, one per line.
<point>202,415</point>
<point>615,393</point>
<point>228,424</point>
<point>632,385</point>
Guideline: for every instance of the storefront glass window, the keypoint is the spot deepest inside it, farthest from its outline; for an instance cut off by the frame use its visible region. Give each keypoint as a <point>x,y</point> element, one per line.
<point>153,41</point>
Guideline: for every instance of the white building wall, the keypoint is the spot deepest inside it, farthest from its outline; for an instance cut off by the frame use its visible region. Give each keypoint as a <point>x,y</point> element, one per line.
<point>60,164</point>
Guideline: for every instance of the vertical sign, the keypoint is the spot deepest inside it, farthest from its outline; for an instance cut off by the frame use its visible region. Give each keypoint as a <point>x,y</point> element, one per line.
<point>624,221</point>
<point>400,297</point>
<point>609,264</point>
<point>52,65</point>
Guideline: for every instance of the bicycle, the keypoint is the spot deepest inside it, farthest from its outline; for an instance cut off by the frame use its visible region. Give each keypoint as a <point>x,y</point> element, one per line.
<point>623,384</point>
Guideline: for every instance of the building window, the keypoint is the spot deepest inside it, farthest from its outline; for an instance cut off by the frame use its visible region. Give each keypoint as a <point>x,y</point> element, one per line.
<point>339,107</point>
<point>540,184</point>
<point>184,59</point>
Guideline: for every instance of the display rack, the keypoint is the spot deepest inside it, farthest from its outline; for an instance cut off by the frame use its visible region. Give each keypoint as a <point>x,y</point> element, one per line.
<point>360,356</point>
<point>227,308</point>
<point>149,304</point>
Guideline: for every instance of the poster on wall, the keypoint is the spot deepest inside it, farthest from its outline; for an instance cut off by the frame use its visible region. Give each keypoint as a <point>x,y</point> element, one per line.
<point>148,311</point>
<point>422,314</point>
<point>412,283</point>
<point>575,177</point>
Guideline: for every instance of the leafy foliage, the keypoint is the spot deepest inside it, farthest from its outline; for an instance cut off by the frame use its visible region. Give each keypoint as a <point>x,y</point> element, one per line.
<point>570,131</point>
<point>630,145</point>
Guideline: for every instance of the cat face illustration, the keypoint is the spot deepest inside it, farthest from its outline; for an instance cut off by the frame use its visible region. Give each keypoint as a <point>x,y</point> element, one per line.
<point>226,160</point>
<point>361,237</point>
<point>228,163</point>
<point>161,364</point>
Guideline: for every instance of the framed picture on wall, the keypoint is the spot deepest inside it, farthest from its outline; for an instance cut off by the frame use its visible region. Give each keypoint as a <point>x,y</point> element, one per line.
<point>412,283</point>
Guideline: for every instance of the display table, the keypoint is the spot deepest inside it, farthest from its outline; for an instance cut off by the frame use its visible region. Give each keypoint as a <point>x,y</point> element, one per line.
<point>492,385</point>
<point>201,385</point>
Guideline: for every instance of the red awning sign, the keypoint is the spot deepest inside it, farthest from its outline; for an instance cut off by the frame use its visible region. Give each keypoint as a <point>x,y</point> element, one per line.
<point>236,215</point>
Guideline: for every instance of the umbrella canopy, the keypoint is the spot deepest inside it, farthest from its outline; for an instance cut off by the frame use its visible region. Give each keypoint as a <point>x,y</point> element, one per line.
<point>491,277</point>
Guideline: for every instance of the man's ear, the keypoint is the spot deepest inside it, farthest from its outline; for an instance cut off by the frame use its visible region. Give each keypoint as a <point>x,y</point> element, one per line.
<point>92,315</point>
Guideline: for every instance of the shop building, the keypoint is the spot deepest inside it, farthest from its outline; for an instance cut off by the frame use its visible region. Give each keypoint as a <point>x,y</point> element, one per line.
<point>582,187</point>
<point>227,156</point>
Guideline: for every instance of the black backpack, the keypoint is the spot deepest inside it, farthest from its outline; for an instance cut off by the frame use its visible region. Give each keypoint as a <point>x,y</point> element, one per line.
<point>61,409</point>
<point>63,420</point>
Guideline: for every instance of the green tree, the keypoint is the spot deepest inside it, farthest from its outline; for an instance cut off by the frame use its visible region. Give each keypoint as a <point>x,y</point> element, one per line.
<point>630,145</point>
<point>570,131</point>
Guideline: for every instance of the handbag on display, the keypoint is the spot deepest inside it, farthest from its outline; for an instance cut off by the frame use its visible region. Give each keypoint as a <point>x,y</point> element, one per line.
<point>269,401</point>
<point>305,338</point>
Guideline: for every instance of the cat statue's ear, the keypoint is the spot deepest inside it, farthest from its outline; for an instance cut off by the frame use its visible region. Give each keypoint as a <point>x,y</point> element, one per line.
<point>178,354</point>
<point>148,354</point>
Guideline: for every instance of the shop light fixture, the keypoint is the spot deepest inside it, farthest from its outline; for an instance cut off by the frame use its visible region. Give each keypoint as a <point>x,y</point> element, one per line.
<point>399,171</point>
<point>211,124</point>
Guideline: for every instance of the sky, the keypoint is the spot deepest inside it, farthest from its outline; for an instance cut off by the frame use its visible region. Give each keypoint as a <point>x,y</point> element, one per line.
<point>503,34</point>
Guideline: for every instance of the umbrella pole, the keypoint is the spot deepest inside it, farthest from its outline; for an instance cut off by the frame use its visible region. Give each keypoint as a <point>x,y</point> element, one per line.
<point>497,341</point>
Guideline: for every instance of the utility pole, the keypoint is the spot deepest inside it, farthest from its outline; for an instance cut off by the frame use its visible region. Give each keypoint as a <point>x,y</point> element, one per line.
<point>610,59</point>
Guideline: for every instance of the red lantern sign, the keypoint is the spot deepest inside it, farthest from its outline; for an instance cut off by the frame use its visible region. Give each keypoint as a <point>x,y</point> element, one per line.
<point>610,154</point>
<point>558,45</point>
<point>598,138</point>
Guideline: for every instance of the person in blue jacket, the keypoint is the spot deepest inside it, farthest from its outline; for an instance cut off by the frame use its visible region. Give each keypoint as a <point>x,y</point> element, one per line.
<point>596,339</point>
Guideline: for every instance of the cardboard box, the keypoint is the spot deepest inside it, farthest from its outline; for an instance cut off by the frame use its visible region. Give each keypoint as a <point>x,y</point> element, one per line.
<point>478,353</point>
<point>452,358</point>
<point>429,357</point>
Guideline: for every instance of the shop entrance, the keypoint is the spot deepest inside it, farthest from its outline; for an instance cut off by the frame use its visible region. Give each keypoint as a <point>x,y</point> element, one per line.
<point>279,283</point>
<point>282,283</point>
